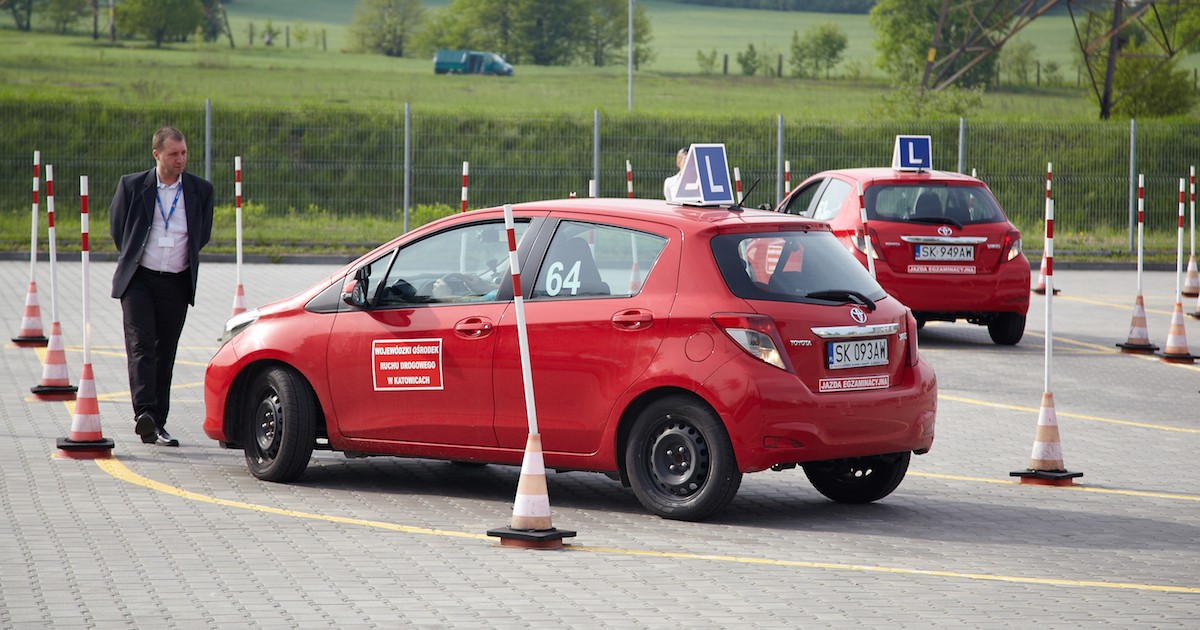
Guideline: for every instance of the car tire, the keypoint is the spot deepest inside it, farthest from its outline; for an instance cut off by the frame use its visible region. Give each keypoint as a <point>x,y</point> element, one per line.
<point>679,460</point>
<point>858,480</point>
<point>1006,329</point>
<point>279,425</point>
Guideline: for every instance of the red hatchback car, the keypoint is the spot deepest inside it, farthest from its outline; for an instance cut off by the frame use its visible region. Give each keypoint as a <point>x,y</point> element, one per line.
<point>941,243</point>
<point>672,347</point>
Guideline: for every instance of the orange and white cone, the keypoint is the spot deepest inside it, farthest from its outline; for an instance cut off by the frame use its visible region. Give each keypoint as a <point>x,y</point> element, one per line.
<point>1139,336</point>
<point>31,334</point>
<point>1046,461</point>
<point>531,526</point>
<point>55,383</point>
<point>1191,281</point>
<point>239,300</point>
<point>86,441</point>
<point>1176,350</point>
<point>1040,287</point>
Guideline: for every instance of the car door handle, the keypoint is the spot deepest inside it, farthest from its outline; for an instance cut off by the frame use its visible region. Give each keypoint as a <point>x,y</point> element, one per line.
<point>473,327</point>
<point>633,319</point>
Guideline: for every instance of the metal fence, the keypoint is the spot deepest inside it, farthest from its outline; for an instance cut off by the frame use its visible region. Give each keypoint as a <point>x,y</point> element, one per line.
<point>386,163</point>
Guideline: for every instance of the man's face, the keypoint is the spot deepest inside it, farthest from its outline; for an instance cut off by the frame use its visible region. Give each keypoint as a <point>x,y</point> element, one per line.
<point>172,158</point>
<point>679,160</point>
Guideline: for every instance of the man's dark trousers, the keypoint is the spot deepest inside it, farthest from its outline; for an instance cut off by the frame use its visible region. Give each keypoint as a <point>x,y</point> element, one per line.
<point>154,308</point>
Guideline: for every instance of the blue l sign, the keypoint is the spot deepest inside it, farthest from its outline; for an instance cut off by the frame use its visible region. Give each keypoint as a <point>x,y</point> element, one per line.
<point>912,153</point>
<point>705,180</point>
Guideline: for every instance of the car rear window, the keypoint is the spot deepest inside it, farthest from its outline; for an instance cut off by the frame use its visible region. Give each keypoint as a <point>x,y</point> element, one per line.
<point>811,267</point>
<point>932,203</point>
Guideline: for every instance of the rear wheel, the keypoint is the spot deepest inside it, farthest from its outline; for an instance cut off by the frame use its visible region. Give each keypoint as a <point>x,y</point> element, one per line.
<point>1006,329</point>
<point>279,423</point>
<point>858,480</point>
<point>679,460</point>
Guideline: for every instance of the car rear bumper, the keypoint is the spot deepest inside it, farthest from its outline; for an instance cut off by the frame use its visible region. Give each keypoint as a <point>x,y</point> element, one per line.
<point>1004,291</point>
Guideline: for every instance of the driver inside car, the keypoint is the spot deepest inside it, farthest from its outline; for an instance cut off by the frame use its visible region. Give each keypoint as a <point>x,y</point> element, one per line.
<point>462,287</point>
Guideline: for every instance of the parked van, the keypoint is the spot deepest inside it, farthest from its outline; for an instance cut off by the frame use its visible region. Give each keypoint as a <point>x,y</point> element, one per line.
<point>470,62</point>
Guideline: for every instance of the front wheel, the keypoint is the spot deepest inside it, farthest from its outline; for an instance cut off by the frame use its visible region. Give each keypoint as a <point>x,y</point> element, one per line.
<point>858,480</point>
<point>279,419</point>
<point>1006,329</point>
<point>679,460</point>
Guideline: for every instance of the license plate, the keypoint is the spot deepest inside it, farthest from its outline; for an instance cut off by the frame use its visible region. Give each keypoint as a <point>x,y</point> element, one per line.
<point>858,353</point>
<point>944,252</point>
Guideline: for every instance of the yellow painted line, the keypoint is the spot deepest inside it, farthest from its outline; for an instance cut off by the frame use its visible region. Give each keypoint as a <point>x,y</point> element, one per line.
<point>119,471</point>
<point>1128,306</point>
<point>1075,487</point>
<point>1143,425</point>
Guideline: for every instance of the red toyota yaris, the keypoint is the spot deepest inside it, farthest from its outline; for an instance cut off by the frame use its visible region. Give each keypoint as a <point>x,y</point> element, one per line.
<point>673,347</point>
<point>940,242</point>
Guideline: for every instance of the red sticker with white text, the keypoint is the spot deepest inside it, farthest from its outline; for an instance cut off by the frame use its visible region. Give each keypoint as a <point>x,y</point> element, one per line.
<point>853,383</point>
<point>950,269</point>
<point>400,364</point>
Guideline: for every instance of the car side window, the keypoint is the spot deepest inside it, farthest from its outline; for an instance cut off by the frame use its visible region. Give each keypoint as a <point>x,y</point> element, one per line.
<point>589,260</point>
<point>831,200</point>
<point>462,264</point>
<point>801,202</point>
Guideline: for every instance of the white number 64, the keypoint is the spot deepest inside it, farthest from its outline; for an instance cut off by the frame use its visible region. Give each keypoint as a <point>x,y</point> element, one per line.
<point>555,282</point>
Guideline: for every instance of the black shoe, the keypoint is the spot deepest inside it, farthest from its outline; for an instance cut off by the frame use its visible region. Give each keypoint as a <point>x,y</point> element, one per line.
<point>146,427</point>
<point>162,438</point>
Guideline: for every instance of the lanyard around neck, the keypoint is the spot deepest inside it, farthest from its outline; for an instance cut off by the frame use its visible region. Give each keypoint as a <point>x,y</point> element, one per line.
<point>167,215</point>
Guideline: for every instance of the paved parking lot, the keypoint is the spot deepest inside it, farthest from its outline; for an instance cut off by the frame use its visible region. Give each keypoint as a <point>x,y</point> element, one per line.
<point>187,538</point>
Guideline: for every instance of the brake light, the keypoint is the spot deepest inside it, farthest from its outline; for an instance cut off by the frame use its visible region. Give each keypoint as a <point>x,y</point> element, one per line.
<point>1012,245</point>
<point>911,342</point>
<point>861,245</point>
<point>756,334</point>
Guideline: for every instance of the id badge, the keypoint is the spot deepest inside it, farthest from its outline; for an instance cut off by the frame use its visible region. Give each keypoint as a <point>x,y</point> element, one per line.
<point>166,241</point>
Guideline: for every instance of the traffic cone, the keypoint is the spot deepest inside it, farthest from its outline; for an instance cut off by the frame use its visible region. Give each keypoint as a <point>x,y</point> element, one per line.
<point>1046,462</point>
<point>239,300</point>
<point>1196,313</point>
<point>1177,345</point>
<point>1191,282</point>
<point>55,384</point>
<point>530,527</point>
<point>1139,338</point>
<point>86,440</point>
<point>1040,288</point>
<point>31,334</point>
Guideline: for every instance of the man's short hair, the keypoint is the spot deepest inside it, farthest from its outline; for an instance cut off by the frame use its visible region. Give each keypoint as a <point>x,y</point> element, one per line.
<point>161,136</point>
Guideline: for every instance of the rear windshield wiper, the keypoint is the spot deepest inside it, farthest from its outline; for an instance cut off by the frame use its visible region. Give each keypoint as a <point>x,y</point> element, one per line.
<point>843,295</point>
<point>936,221</point>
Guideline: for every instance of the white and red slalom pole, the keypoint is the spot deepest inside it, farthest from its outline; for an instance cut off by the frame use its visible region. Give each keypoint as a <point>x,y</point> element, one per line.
<point>464,187</point>
<point>31,333</point>
<point>737,183</point>
<point>593,191</point>
<point>787,176</point>
<point>1176,350</point>
<point>629,179</point>
<point>868,246</point>
<point>530,526</point>
<point>1040,288</point>
<point>1191,282</point>
<point>239,292</point>
<point>1046,461</point>
<point>55,383</point>
<point>86,440</point>
<point>1139,335</point>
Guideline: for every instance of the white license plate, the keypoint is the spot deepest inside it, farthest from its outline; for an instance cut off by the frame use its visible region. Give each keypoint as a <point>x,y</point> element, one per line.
<point>858,353</point>
<point>944,252</point>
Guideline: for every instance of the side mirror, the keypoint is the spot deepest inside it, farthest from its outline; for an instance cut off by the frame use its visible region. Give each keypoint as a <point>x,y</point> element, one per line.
<point>356,294</point>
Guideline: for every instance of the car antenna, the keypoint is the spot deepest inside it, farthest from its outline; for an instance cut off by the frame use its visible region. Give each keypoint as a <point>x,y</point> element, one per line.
<point>737,207</point>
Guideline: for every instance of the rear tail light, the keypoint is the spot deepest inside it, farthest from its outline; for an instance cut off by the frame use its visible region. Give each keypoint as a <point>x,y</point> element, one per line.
<point>1012,245</point>
<point>757,335</point>
<point>911,330</point>
<point>861,244</point>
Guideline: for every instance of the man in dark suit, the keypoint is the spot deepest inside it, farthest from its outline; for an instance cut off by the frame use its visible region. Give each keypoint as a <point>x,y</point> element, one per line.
<point>159,220</point>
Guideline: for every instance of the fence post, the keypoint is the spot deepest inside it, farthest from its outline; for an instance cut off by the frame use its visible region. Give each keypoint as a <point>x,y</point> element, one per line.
<point>1132,175</point>
<point>208,139</point>
<point>407,161</point>
<point>778,158</point>
<point>962,142</point>
<point>596,149</point>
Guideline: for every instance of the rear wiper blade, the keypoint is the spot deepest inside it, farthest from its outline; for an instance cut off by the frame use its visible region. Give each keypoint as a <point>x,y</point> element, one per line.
<point>843,295</point>
<point>936,221</point>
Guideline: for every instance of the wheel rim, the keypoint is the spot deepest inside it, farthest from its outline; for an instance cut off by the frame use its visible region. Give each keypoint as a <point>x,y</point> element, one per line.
<point>854,471</point>
<point>679,459</point>
<point>266,421</point>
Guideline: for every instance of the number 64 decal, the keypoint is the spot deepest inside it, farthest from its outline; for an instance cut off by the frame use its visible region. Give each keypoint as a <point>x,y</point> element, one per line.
<point>556,282</point>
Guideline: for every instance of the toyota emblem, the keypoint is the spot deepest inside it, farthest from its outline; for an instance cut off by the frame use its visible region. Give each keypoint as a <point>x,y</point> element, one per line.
<point>858,315</point>
<point>944,230</point>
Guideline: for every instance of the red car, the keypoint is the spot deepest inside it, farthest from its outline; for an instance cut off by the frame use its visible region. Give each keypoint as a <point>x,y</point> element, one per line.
<point>672,347</point>
<point>941,243</point>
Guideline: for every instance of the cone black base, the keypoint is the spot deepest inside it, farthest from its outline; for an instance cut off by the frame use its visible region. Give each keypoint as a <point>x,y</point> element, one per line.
<point>531,538</point>
<point>1178,358</point>
<point>1043,291</point>
<point>100,449</point>
<point>54,392</point>
<point>1195,315</point>
<point>30,342</point>
<point>1138,348</point>
<point>1046,477</point>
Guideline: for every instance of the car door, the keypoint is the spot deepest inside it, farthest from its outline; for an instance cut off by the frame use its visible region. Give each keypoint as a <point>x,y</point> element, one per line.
<point>416,365</point>
<point>596,314</point>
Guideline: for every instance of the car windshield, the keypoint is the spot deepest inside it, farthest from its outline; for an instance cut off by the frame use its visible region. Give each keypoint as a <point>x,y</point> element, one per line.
<point>932,203</point>
<point>811,267</point>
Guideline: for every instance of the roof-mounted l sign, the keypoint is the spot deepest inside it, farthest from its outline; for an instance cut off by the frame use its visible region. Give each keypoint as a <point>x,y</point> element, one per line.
<point>705,180</point>
<point>912,153</point>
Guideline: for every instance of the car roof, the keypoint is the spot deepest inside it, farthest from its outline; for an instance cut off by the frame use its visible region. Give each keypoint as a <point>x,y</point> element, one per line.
<point>885,175</point>
<point>686,217</point>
